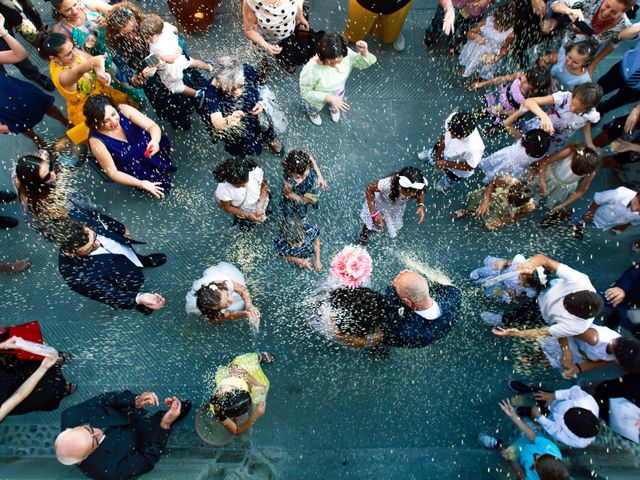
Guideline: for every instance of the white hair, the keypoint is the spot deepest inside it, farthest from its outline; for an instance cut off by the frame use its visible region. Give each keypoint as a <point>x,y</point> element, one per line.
<point>228,73</point>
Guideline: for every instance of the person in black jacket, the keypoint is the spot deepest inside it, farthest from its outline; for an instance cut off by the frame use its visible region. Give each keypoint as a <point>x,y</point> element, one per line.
<point>624,297</point>
<point>101,264</point>
<point>109,437</point>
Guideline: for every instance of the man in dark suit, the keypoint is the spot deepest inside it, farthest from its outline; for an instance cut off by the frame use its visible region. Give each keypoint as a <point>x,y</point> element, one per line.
<point>624,297</point>
<point>418,313</point>
<point>101,264</point>
<point>109,437</point>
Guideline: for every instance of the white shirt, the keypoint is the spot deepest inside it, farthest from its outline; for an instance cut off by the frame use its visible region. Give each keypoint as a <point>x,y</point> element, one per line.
<point>245,198</point>
<point>597,351</point>
<point>554,425</point>
<point>116,248</point>
<point>467,150</point>
<point>166,42</point>
<point>615,208</point>
<point>432,313</point>
<point>550,301</point>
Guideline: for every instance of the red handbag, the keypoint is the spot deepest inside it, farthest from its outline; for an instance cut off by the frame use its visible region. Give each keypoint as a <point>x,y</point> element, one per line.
<point>28,331</point>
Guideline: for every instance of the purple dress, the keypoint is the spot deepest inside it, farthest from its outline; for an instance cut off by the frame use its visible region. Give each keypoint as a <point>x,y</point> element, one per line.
<point>129,156</point>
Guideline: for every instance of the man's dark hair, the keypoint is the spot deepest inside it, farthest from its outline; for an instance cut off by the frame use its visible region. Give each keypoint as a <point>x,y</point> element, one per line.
<point>536,142</point>
<point>73,236</point>
<point>582,422</point>
<point>583,304</point>
<point>234,170</point>
<point>627,352</point>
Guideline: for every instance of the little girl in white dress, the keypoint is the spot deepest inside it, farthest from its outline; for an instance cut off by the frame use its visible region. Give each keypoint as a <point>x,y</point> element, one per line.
<point>501,278</point>
<point>488,43</point>
<point>221,294</point>
<point>516,160</point>
<point>565,176</point>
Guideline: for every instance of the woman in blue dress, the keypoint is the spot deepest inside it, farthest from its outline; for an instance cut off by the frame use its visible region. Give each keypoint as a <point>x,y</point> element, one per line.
<point>233,110</point>
<point>128,145</point>
<point>22,105</point>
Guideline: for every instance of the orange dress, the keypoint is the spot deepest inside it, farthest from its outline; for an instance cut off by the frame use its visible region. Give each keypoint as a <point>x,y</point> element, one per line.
<point>85,87</point>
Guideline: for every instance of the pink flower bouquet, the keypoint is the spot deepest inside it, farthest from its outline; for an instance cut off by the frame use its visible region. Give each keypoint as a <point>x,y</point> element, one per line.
<point>352,266</point>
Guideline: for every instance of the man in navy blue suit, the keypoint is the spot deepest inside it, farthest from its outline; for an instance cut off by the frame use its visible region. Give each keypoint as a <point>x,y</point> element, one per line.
<point>624,297</point>
<point>101,264</point>
<point>109,437</point>
<point>419,313</point>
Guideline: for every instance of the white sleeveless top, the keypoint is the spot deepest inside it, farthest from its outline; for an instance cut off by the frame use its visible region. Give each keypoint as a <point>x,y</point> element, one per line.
<point>275,22</point>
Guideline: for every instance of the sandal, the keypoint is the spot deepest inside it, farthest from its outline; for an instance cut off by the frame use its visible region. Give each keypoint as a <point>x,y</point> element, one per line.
<point>70,388</point>
<point>64,357</point>
<point>266,357</point>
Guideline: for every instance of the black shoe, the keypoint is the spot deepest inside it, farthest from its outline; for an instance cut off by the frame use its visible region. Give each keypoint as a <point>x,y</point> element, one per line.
<point>153,260</point>
<point>612,320</point>
<point>185,408</point>
<point>521,387</point>
<point>46,83</point>
<point>636,332</point>
<point>8,222</point>
<point>524,412</point>
<point>144,310</point>
<point>7,196</point>
<point>578,231</point>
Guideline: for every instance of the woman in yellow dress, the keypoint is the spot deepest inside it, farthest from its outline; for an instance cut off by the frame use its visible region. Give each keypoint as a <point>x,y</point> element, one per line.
<point>77,75</point>
<point>240,386</point>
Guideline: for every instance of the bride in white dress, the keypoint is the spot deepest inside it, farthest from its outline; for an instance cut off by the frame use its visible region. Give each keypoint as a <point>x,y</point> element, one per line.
<point>221,294</point>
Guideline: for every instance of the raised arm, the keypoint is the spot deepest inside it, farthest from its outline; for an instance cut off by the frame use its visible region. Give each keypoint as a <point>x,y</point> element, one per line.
<point>69,77</point>
<point>27,387</point>
<point>17,53</point>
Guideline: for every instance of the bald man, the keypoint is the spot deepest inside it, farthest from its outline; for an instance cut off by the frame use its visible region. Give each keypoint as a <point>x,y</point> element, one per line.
<point>418,313</point>
<point>109,437</point>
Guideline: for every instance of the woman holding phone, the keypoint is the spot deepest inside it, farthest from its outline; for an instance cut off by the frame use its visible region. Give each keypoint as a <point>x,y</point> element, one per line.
<point>129,146</point>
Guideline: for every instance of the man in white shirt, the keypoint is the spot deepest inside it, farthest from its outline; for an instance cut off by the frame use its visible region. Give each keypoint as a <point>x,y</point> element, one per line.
<point>102,265</point>
<point>568,306</point>
<point>458,152</point>
<point>569,416</point>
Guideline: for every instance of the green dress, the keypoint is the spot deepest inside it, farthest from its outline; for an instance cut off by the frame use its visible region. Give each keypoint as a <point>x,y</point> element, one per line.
<point>499,206</point>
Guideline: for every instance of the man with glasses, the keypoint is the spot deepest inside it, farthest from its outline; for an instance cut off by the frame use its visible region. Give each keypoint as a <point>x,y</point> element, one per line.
<point>101,264</point>
<point>110,437</point>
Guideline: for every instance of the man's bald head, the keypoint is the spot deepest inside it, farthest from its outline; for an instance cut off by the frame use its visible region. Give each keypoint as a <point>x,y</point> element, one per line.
<point>413,289</point>
<point>74,445</point>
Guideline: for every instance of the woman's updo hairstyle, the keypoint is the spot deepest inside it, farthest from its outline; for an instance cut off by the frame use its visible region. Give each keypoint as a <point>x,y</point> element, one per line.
<point>331,46</point>
<point>208,300</point>
<point>94,110</point>
<point>230,403</point>
<point>584,161</point>
<point>51,45</point>
<point>357,311</point>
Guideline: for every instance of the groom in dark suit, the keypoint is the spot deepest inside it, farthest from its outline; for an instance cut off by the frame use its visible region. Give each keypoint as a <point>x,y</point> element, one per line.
<point>418,313</point>
<point>109,437</point>
<point>101,264</point>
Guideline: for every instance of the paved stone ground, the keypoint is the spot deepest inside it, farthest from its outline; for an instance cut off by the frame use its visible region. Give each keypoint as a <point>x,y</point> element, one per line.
<point>332,412</point>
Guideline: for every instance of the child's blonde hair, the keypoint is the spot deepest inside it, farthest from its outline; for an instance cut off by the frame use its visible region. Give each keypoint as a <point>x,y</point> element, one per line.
<point>152,24</point>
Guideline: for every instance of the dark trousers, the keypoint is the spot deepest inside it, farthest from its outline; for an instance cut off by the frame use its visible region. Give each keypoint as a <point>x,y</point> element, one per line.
<point>31,13</point>
<point>28,69</point>
<point>614,80</point>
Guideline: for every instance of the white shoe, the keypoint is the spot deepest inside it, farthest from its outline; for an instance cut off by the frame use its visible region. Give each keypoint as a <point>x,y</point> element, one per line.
<point>424,155</point>
<point>491,318</point>
<point>399,43</point>
<point>335,116</point>
<point>315,119</point>
<point>439,188</point>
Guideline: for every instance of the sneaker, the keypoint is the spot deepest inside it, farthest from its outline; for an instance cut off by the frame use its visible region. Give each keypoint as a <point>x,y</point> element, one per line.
<point>521,387</point>
<point>424,155</point>
<point>315,119</point>
<point>487,441</point>
<point>439,188</point>
<point>491,318</point>
<point>399,44</point>
<point>200,98</point>
<point>335,115</point>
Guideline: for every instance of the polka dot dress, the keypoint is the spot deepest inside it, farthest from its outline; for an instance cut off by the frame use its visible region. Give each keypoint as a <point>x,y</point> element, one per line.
<point>275,22</point>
